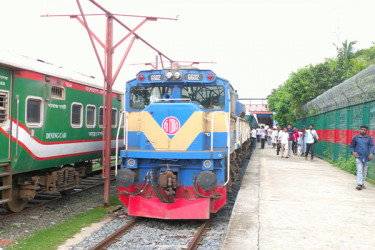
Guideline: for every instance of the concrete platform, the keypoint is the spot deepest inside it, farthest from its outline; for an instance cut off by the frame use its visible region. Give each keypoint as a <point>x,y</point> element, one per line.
<point>297,204</point>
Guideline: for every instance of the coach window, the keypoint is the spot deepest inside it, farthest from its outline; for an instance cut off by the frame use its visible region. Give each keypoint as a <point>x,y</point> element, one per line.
<point>114,118</point>
<point>100,116</point>
<point>34,112</point>
<point>90,116</point>
<point>76,115</point>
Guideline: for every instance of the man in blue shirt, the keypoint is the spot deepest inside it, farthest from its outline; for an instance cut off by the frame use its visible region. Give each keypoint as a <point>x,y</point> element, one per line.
<point>362,147</point>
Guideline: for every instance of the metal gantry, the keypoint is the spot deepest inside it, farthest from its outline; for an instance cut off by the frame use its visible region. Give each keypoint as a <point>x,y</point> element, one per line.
<point>107,70</point>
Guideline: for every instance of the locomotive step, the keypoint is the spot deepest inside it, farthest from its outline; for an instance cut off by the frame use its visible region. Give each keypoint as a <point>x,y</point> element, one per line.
<point>4,201</point>
<point>5,187</point>
<point>4,174</point>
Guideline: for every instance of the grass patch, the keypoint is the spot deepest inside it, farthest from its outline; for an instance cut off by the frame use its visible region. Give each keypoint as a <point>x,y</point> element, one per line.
<point>52,237</point>
<point>114,200</point>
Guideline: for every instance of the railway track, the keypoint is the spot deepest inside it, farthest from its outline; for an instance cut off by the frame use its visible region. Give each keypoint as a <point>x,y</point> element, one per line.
<point>115,237</point>
<point>42,199</point>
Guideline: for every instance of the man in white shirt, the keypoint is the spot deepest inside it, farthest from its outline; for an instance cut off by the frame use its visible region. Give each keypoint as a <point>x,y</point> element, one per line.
<point>284,140</point>
<point>310,137</point>
<point>253,137</point>
<point>258,134</point>
<point>274,136</point>
<point>269,135</point>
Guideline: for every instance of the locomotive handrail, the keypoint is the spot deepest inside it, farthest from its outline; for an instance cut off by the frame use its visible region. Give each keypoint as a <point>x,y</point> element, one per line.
<point>117,135</point>
<point>228,141</point>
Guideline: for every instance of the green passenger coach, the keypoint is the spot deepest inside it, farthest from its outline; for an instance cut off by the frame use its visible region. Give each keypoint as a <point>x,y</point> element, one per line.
<point>51,128</point>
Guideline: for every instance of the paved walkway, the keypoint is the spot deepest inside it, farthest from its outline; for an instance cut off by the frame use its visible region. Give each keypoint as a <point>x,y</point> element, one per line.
<point>298,204</point>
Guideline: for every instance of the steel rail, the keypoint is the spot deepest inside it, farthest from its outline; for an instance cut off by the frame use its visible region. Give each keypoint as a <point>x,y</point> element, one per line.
<point>8,216</point>
<point>198,235</point>
<point>116,235</point>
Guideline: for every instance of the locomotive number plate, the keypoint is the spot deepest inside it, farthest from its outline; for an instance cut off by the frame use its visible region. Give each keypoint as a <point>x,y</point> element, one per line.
<point>193,77</point>
<point>155,78</point>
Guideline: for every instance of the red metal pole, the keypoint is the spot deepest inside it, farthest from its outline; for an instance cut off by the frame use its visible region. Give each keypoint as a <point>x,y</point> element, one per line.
<point>130,33</point>
<point>92,41</point>
<point>90,31</point>
<point>123,60</point>
<point>161,61</point>
<point>108,134</point>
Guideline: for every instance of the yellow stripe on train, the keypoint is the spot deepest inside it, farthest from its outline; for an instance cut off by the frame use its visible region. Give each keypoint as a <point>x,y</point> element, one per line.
<point>197,123</point>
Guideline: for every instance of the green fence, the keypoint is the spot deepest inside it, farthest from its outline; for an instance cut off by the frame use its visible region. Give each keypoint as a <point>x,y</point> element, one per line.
<point>336,129</point>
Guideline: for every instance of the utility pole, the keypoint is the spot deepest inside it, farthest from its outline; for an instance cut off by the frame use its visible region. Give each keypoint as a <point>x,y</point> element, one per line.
<point>107,70</point>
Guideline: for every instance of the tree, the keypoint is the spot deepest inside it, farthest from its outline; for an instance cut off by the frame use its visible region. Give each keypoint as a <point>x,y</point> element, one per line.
<point>311,81</point>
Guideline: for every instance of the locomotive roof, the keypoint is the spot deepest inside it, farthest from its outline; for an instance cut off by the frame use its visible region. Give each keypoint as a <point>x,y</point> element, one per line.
<point>39,66</point>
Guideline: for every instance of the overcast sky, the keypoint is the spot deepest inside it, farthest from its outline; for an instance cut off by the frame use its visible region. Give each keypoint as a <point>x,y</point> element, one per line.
<point>255,44</point>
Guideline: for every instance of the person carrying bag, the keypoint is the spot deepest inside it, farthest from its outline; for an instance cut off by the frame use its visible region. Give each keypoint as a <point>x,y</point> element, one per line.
<point>311,138</point>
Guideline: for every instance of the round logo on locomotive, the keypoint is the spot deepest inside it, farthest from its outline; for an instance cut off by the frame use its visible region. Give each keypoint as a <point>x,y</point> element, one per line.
<point>171,125</point>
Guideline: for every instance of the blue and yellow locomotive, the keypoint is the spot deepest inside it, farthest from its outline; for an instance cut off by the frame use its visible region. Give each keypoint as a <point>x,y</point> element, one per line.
<point>185,141</point>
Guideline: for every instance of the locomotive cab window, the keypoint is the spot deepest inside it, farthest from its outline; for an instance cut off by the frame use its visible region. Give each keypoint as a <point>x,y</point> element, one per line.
<point>210,97</point>
<point>3,107</point>
<point>57,93</point>
<point>34,112</point>
<point>141,97</point>
<point>90,116</point>
<point>76,115</point>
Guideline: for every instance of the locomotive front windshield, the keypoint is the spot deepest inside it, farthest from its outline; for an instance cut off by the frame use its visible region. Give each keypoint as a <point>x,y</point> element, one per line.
<point>141,97</point>
<point>210,97</point>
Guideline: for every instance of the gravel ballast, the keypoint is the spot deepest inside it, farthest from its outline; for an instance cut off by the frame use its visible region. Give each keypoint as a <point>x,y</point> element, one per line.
<point>165,234</point>
<point>55,212</point>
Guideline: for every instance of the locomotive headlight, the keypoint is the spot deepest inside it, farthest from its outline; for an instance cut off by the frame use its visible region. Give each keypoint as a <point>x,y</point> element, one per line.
<point>177,75</point>
<point>207,164</point>
<point>131,162</point>
<point>168,75</point>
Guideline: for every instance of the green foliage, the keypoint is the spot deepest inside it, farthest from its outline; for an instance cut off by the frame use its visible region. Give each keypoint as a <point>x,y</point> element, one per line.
<point>347,165</point>
<point>313,80</point>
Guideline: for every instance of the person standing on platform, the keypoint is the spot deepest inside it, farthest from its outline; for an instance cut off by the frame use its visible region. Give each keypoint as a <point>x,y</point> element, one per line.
<point>362,147</point>
<point>253,138</point>
<point>311,137</point>
<point>295,139</point>
<point>269,135</point>
<point>303,142</point>
<point>262,137</point>
<point>284,141</point>
<point>290,143</point>
<point>278,140</point>
<point>258,134</point>
<point>274,135</point>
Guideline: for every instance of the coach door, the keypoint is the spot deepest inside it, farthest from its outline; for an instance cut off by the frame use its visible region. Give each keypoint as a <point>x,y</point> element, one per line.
<point>5,122</point>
